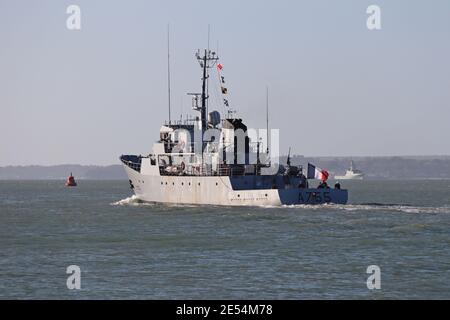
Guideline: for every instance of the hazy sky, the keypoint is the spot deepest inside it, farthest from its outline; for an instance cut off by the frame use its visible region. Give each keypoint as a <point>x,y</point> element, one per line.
<point>336,88</point>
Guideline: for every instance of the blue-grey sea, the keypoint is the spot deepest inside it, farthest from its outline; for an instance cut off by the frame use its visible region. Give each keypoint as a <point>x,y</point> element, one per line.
<point>131,250</point>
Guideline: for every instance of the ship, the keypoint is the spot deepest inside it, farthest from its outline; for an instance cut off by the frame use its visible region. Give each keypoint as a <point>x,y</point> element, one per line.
<point>211,159</point>
<point>351,174</point>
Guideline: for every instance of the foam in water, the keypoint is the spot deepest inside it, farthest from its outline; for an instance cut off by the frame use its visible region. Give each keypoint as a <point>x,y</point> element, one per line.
<point>375,207</point>
<point>135,201</point>
<point>130,201</point>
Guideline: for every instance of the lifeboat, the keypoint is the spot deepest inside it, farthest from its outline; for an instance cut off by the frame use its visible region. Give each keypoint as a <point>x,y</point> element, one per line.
<point>71,181</point>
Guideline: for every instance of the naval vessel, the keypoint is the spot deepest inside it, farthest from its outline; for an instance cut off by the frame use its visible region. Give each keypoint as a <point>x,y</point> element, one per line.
<point>212,159</point>
<point>351,174</point>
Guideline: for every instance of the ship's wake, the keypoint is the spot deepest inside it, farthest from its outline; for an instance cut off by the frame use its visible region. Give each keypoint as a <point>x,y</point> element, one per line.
<point>134,201</point>
<point>376,207</point>
<point>130,201</point>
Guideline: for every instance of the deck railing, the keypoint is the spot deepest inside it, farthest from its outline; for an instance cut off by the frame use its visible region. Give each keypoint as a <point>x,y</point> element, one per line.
<point>207,170</point>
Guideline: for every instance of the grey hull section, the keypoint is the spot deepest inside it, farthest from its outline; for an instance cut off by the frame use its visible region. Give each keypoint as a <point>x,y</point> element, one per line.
<point>218,190</point>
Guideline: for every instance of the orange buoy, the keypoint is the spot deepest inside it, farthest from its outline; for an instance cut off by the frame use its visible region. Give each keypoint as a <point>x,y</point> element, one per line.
<point>71,181</point>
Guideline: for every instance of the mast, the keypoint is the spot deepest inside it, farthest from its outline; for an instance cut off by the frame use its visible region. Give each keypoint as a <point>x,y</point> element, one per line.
<point>267,118</point>
<point>203,111</point>
<point>206,62</point>
<point>168,68</point>
<point>207,80</point>
<point>209,32</point>
<point>288,161</point>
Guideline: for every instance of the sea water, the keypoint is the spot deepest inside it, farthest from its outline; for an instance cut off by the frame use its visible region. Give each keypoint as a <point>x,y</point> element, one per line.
<point>126,249</point>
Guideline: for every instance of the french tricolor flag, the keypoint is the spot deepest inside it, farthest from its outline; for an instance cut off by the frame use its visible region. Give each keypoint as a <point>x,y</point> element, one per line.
<point>317,173</point>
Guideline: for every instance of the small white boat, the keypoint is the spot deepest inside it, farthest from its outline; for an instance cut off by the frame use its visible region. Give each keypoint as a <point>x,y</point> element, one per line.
<point>351,173</point>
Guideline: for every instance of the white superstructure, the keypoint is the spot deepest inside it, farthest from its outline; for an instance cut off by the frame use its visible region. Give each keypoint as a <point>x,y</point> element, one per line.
<point>351,173</point>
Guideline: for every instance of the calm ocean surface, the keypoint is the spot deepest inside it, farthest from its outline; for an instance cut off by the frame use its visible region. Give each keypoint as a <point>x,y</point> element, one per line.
<point>127,249</point>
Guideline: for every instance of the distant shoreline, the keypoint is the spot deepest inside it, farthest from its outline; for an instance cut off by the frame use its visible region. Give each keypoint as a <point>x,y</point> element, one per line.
<point>375,168</point>
<point>58,172</point>
<point>356,158</point>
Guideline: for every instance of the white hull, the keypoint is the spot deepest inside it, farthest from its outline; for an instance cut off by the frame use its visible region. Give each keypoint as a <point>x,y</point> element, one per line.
<point>217,190</point>
<point>351,174</point>
<point>350,177</point>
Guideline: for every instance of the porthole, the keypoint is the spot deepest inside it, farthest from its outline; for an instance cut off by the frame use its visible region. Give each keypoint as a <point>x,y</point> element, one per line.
<point>199,183</point>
